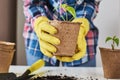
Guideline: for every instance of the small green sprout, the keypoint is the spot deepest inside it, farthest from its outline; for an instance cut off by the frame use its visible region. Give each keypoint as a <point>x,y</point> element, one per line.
<point>114,40</point>
<point>70,9</point>
<point>66,8</point>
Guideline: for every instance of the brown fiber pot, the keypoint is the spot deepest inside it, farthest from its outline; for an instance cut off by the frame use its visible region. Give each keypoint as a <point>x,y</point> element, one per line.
<point>111,63</point>
<point>6,55</point>
<point>68,34</point>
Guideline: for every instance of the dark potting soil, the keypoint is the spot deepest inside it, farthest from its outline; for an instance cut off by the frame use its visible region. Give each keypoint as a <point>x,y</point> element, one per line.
<point>62,77</point>
<point>56,77</point>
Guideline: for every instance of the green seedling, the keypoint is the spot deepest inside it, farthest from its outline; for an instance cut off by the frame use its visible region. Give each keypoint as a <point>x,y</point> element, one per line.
<point>66,9</point>
<point>114,40</point>
<point>70,9</point>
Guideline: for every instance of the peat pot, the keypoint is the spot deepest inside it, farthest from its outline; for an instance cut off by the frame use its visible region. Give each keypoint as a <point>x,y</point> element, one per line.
<point>111,62</point>
<point>68,34</point>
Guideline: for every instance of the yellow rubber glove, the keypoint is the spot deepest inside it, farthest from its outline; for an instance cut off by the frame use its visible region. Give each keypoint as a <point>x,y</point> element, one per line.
<point>45,33</point>
<point>81,42</point>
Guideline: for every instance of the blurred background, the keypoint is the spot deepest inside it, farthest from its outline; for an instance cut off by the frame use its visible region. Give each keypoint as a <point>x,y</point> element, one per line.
<point>12,23</point>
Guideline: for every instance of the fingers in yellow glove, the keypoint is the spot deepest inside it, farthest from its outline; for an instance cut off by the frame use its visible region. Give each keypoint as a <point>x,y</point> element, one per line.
<point>47,53</point>
<point>47,46</point>
<point>49,38</point>
<point>81,42</point>
<point>42,23</point>
<point>85,24</point>
<point>39,20</point>
<point>81,48</point>
<point>44,32</point>
<point>81,52</point>
<point>45,26</point>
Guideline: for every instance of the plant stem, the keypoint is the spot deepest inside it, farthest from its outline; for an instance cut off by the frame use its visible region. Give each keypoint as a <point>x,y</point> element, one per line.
<point>113,45</point>
<point>66,16</point>
<point>71,19</point>
<point>62,17</point>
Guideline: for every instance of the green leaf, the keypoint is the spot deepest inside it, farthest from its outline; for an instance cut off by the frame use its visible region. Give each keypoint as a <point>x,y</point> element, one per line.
<point>114,37</point>
<point>107,39</point>
<point>70,9</point>
<point>116,40</point>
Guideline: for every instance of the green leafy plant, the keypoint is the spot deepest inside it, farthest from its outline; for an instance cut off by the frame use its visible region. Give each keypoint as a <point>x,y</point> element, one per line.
<point>114,39</point>
<point>70,9</point>
<point>66,8</point>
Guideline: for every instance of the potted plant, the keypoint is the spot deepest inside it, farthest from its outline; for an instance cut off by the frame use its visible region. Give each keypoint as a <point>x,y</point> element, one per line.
<point>67,32</point>
<point>110,59</point>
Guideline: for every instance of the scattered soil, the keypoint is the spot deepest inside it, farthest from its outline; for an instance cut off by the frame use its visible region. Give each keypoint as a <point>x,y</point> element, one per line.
<point>56,77</point>
<point>60,76</point>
